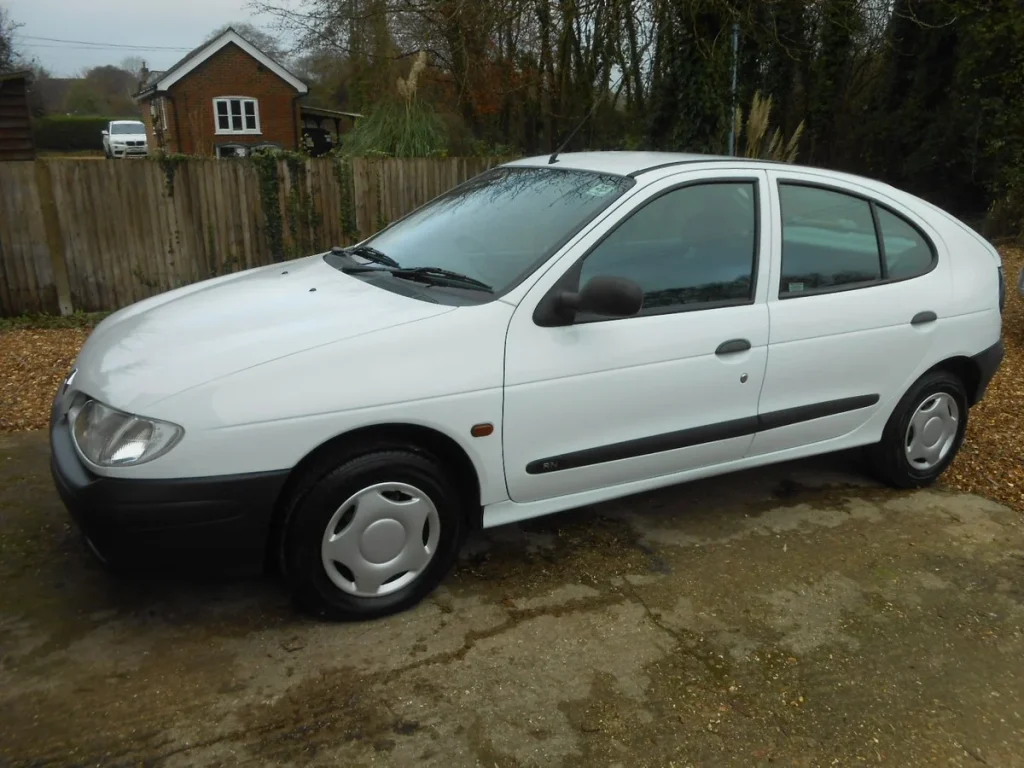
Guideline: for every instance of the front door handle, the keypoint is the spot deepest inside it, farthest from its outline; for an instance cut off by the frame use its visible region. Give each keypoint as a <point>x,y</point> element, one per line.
<point>732,346</point>
<point>924,317</point>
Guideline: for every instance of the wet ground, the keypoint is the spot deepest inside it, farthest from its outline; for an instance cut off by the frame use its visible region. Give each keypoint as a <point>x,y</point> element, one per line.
<point>792,616</point>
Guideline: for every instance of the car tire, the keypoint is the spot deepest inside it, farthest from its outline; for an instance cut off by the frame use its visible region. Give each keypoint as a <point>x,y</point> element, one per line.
<point>923,434</point>
<point>350,531</point>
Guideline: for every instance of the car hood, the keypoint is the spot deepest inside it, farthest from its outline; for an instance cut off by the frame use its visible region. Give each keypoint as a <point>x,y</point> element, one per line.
<point>181,339</point>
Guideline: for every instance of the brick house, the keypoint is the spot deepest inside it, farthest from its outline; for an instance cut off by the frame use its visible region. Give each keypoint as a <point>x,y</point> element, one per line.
<point>222,99</point>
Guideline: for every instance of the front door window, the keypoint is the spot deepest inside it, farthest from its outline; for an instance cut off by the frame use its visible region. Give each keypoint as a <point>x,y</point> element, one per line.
<point>691,248</point>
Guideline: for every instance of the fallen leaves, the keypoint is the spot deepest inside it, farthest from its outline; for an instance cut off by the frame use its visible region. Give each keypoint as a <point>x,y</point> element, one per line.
<point>991,460</point>
<point>33,363</point>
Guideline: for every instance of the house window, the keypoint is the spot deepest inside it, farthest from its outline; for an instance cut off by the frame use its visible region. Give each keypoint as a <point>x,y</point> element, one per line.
<point>230,150</point>
<point>235,114</point>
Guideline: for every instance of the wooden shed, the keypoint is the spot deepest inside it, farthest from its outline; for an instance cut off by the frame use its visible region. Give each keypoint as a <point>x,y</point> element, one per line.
<point>15,119</point>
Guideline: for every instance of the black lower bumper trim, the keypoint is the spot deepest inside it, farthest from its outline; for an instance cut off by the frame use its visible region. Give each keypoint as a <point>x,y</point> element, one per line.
<point>218,523</point>
<point>987,362</point>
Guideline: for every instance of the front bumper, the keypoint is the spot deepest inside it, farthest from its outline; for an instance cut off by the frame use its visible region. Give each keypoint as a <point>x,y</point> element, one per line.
<point>129,151</point>
<point>219,523</point>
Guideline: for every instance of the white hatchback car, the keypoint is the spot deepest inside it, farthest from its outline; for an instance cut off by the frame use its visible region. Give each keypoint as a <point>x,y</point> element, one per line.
<point>544,336</point>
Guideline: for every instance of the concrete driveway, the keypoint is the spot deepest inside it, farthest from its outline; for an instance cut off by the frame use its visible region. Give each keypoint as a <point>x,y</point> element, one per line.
<point>791,616</point>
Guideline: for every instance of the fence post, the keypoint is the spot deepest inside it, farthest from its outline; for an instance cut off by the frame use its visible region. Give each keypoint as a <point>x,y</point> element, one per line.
<point>54,236</point>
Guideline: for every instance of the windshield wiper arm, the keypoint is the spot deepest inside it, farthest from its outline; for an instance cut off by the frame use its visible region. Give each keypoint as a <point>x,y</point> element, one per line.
<point>446,274</point>
<point>424,274</point>
<point>368,252</point>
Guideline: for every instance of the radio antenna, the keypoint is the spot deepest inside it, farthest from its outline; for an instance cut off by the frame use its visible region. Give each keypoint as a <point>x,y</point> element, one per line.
<point>561,147</point>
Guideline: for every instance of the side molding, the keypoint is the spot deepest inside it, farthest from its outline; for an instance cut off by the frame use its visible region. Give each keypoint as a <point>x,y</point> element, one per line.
<point>710,433</point>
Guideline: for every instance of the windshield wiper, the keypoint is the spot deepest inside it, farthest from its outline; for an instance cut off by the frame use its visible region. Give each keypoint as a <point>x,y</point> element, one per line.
<point>447,274</point>
<point>368,252</point>
<point>432,275</point>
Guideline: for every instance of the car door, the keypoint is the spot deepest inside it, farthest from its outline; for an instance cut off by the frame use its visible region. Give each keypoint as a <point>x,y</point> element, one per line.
<point>604,401</point>
<point>856,305</point>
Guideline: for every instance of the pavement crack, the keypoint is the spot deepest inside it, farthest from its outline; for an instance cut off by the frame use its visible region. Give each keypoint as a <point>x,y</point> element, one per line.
<point>973,753</point>
<point>514,617</point>
<point>655,618</point>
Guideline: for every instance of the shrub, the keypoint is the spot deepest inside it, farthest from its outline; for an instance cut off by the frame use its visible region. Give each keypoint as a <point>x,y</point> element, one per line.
<point>400,125</point>
<point>757,126</point>
<point>68,133</point>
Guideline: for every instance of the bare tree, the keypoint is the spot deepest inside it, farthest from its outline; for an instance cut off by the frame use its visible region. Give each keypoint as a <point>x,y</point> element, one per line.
<point>9,57</point>
<point>265,41</point>
<point>134,65</point>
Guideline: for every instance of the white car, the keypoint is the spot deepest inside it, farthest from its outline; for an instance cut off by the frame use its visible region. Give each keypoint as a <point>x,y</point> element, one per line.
<point>125,138</point>
<point>558,334</point>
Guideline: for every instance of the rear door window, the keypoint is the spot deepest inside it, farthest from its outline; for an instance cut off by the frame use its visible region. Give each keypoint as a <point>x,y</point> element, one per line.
<point>828,241</point>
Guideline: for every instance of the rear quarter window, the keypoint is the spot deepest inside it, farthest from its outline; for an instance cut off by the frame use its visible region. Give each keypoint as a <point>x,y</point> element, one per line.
<point>907,252</point>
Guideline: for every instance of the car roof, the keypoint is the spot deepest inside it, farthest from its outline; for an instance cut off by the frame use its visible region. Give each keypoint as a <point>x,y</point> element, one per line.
<point>126,121</point>
<point>635,163</point>
<point>620,163</point>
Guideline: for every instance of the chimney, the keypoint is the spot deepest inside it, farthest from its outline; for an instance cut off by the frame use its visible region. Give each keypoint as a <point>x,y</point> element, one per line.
<point>143,75</point>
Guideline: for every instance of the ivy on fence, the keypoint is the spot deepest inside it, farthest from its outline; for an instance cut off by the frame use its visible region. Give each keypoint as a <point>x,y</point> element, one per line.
<point>181,226</point>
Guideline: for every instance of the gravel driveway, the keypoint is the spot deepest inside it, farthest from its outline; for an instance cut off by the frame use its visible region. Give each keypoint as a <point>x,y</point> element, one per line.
<point>796,615</point>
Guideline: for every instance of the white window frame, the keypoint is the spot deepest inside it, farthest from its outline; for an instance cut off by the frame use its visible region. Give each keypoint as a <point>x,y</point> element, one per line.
<point>230,132</point>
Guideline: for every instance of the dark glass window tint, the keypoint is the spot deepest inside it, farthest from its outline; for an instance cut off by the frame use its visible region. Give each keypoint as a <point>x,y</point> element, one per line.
<point>250,115</point>
<point>236,115</point>
<point>907,253</point>
<point>693,245</point>
<point>828,240</point>
<point>223,122</point>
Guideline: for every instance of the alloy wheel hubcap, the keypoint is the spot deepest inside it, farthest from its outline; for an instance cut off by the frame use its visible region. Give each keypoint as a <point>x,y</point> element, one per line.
<point>932,431</point>
<point>381,539</point>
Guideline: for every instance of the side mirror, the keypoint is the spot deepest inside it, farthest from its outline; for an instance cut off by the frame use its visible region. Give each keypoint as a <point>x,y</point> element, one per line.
<point>610,296</point>
<point>105,132</point>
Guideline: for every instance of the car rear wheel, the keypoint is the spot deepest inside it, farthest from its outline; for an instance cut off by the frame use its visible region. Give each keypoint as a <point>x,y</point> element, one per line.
<point>372,536</point>
<point>923,433</point>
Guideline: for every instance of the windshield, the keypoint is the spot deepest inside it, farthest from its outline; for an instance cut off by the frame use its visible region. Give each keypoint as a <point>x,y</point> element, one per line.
<point>127,128</point>
<point>500,225</point>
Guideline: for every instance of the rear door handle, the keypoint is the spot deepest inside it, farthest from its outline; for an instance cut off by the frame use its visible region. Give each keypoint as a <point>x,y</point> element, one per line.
<point>732,346</point>
<point>924,317</point>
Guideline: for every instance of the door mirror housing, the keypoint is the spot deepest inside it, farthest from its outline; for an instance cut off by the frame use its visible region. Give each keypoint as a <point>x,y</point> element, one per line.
<point>609,296</point>
<point>105,132</point>
<point>602,295</point>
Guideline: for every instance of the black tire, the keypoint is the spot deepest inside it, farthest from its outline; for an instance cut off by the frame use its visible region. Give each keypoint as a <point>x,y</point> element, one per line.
<point>888,458</point>
<point>319,496</point>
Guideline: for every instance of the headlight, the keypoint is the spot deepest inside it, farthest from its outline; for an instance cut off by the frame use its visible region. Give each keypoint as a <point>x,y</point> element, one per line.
<point>112,438</point>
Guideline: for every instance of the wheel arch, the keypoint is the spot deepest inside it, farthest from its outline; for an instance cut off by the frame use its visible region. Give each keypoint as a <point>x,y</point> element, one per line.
<point>373,437</point>
<point>965,369</point>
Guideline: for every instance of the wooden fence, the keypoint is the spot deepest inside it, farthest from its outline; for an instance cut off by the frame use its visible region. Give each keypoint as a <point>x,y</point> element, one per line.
<point>96,235</point>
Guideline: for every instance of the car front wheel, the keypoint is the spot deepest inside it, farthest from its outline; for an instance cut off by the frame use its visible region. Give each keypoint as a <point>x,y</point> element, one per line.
<point>372,536</point>
<point>923,433</point>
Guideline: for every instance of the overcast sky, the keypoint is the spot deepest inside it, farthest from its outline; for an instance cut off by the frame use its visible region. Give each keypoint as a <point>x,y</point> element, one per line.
<point>153,26</point>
